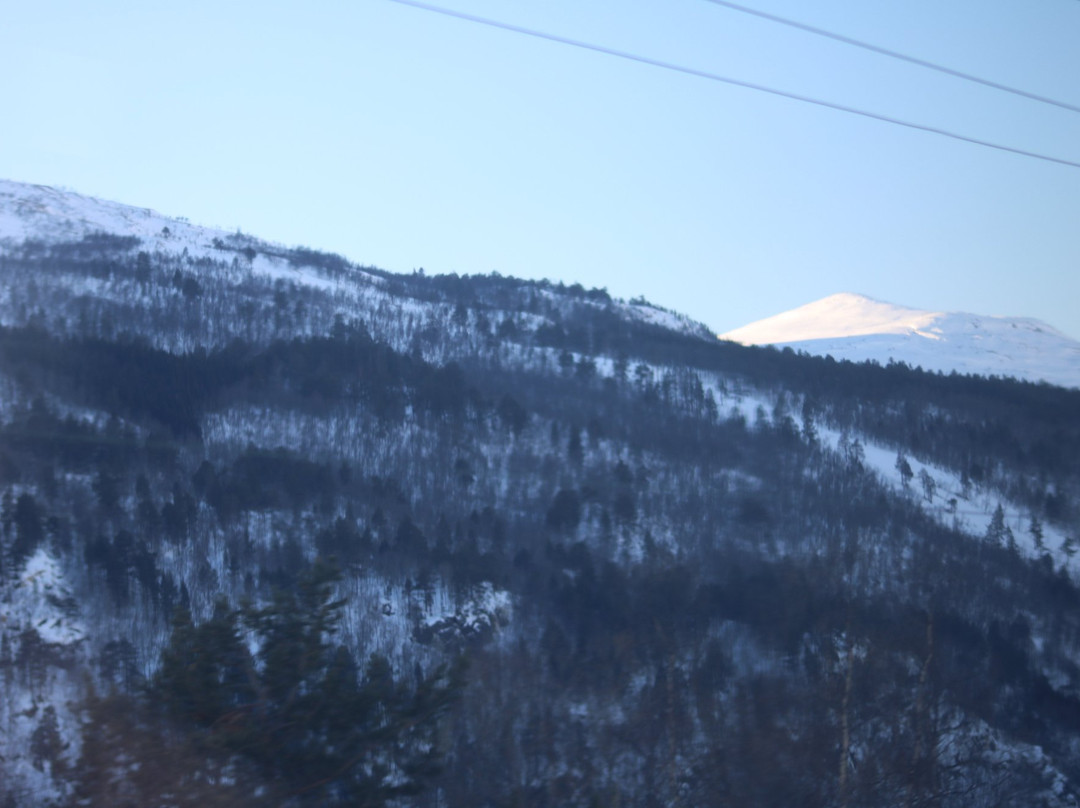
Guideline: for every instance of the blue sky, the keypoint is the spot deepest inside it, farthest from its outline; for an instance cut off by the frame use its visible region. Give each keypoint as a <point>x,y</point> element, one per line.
<point>405,139</point>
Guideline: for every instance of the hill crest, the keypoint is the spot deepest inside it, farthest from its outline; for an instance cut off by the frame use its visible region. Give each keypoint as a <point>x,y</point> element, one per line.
<point>858,328</point>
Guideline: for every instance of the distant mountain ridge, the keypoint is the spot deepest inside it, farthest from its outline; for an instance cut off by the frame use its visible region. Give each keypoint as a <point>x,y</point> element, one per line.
<point>857,328</point>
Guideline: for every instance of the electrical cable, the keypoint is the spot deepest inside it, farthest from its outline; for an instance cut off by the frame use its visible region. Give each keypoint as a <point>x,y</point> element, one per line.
<point>727,80</point>
<point>893,54</point>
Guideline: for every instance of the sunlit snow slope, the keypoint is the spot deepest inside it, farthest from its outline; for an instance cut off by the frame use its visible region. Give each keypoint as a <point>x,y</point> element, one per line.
<point>858,328</point>
<point>52,214</point>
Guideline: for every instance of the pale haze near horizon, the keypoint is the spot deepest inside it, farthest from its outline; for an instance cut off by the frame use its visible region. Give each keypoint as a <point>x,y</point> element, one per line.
<point>404,139</point>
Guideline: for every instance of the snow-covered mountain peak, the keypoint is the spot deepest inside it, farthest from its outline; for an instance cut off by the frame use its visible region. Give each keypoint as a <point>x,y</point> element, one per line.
<point>841,315</point>
<point>859,328</point>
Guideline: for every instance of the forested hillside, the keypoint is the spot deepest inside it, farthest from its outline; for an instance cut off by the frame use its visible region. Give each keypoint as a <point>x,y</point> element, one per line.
<point>281,530</point>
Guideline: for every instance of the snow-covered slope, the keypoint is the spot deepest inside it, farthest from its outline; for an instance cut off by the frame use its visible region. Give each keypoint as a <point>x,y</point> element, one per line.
<point>858,328</point>
<point>52,214</point>
<point>47,214</point>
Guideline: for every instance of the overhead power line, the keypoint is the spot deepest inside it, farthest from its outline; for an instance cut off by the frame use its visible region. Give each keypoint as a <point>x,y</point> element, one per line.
<point>893,54</point>
<point>690,71</point>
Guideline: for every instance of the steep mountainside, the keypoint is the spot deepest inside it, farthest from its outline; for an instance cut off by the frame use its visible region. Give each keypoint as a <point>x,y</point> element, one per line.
<point>257,503</point>
<point>858,328</point>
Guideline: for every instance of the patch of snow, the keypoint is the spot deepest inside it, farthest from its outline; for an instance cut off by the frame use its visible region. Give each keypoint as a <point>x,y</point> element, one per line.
<point>277,268</point>
<point>487,607</point>
<point>655,315</point>
<point>41,600</point>
<point>969,509</point>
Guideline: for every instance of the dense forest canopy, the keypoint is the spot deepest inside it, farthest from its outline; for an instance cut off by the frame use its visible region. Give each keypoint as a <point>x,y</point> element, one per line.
<point>259,505</point>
